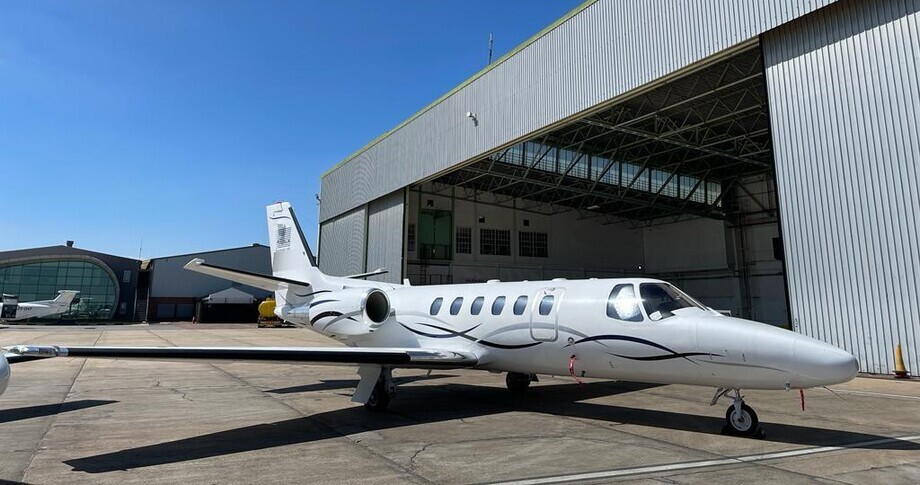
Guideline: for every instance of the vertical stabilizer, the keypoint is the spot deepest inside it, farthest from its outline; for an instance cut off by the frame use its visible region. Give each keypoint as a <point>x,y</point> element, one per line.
<point>291,255</point>
<point>65,297</point>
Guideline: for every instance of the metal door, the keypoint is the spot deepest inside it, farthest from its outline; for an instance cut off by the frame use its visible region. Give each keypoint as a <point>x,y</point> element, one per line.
<point>544,314</point>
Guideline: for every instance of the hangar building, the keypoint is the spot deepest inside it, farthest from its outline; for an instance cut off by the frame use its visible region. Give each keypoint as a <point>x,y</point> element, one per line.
<point>761,155</point>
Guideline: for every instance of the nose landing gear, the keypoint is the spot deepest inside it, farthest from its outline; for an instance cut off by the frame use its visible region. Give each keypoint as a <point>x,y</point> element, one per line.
<point>740,419</point>
<point>518,382</point>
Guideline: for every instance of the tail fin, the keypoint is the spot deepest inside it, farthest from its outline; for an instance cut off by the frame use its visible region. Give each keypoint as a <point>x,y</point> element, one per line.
<point>291,255</point>
<point>65,297</point>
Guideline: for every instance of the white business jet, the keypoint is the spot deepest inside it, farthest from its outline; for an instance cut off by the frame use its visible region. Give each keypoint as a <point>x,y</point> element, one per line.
<point>634,329</point>
<point>11,310</point>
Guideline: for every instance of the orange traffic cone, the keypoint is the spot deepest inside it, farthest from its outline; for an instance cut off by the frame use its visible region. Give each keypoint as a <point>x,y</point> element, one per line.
<point>899,371</point>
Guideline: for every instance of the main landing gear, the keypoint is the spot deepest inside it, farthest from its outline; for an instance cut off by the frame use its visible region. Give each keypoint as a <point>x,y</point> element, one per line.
<point>740,419</point>
<point>518,381</point>
<point>384,391</point>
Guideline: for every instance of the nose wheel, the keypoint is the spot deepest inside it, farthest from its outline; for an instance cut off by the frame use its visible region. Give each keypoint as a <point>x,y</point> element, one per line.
<point>518,382</point>
<point>740,419</point>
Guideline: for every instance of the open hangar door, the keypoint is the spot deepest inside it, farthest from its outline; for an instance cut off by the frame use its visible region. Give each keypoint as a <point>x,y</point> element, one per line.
<point>674,181</point>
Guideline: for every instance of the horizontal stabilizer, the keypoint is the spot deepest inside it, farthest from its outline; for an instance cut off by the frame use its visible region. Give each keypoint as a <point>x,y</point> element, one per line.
<point>398,357</point>
<point>265,282</point>
<point>376,272</point>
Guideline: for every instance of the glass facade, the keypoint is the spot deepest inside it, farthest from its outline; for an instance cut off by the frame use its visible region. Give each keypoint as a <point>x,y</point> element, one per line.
<point>41,280</point>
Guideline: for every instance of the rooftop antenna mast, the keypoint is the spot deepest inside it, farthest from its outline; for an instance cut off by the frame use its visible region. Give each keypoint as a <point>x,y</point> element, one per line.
<point>490,48</point>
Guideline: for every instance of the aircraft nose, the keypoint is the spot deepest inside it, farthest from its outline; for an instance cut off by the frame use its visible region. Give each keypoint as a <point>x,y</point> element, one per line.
<point>820,364</point>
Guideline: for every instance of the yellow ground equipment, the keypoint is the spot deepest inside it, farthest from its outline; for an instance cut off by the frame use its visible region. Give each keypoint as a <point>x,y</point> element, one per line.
<point>267,317</point>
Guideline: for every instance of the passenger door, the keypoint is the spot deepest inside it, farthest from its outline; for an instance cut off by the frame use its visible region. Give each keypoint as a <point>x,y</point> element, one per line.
<point>544,315</point>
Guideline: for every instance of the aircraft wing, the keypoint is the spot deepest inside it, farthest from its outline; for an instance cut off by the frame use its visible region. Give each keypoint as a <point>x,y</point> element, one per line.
<point>393,357</point>
<point>265,282</point>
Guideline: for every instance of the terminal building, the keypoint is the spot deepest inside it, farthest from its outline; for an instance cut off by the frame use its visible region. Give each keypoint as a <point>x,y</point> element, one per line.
<point>763,156</point>
<point>117,289</point>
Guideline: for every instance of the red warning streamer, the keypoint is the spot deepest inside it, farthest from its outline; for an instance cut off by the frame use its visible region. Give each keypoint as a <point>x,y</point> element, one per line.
<point>802,397</point>
<point>572,368</point>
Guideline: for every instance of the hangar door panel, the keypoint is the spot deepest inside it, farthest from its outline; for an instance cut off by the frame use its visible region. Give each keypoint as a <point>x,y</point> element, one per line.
<point>385,236</point>
<point>341,251</point>
<point>844,103</point>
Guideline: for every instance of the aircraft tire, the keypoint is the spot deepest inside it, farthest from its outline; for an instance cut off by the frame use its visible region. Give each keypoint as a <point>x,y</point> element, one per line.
<point>745,425</point>
<point>379,399</point>
<point>517,381</point>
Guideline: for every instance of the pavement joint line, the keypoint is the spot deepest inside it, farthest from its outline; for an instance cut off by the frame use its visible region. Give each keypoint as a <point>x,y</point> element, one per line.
<point>877,394</point>
<point>342,436</point>
<point>53,419</point>
<point>669,467</point>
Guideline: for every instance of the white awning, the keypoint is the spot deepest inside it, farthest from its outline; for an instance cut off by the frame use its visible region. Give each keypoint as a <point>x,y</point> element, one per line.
<point>230,296</point>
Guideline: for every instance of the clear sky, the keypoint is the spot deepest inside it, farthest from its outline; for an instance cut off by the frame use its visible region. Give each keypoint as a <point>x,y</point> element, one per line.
<point>175,122</point>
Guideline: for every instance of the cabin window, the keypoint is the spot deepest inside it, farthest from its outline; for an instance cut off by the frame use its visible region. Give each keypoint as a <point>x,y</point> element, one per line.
<point>476,307</point>
<point>546,304</point>
<point>436,305</point>
<point>520,305</point>
<point>622,304</point>
<point>498,305</point>
<point>455,306</point>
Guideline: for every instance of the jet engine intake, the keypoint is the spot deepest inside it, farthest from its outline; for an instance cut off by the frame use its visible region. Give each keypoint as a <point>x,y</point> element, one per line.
<point>352,311</point>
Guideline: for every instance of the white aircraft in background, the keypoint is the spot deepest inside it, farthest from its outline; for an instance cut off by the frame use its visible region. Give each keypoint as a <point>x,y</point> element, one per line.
<point>634,329</point>
<point>11,310</point>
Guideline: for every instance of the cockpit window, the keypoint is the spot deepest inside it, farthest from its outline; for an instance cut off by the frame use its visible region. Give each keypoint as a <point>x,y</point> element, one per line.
<point>661,300</point>
<point>622,304</point>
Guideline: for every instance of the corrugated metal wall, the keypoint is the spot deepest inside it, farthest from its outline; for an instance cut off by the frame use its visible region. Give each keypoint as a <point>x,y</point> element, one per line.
<point>845,111</point>
<point>385,236</point>
<point>341,244</point>
<point>606,50</point>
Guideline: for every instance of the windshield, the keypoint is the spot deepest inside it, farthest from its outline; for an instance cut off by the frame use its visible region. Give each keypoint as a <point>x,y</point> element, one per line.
<point>661,300</point>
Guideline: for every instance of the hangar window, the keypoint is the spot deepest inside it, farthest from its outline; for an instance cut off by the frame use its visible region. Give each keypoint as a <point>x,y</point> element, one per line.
<point>498,305</point>
<point>455,306</point>
<point>495,241</point>
<point>532,244</point>
<point>464,240</point>
<point>436,305</point>
<point>713,191</point>
<point>410,238</point>
<point>546,305</point>
<point>514,155</point>
<point>622,304</point>
<point>476,307</point>
<point>520,305</point>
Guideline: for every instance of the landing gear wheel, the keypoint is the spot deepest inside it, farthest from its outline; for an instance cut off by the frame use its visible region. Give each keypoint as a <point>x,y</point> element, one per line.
<point>742,423</point>
<point>380,397</point>
<point>518,382</point>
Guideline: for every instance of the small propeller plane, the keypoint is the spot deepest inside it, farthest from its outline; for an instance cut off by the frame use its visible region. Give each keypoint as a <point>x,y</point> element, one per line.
<point>635,329</point>
<point>11,310</point>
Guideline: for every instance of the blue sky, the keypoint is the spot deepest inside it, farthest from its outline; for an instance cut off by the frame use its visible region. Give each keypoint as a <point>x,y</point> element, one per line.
<point>175,122</point>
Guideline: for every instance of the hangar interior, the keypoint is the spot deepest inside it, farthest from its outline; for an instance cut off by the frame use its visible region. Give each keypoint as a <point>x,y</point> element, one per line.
<point>675,181</point>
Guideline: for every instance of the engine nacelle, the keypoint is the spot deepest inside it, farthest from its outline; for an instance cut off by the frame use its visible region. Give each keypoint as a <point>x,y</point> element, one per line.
<point>4,373</point>
<point>353,311</point>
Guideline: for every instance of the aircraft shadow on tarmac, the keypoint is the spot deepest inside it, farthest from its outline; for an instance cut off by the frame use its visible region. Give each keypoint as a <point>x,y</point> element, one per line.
<point>42,410</point>
<point>431,404</point>
<point>333,384</point>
